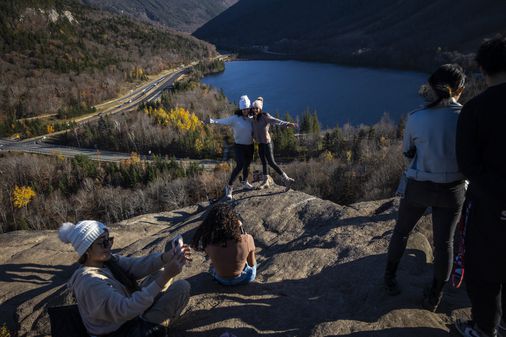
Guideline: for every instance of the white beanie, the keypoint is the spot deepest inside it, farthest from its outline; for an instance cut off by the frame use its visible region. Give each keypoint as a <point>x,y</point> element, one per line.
<point>259,103</point>
<point>82,235</point>
<point>244,102</point>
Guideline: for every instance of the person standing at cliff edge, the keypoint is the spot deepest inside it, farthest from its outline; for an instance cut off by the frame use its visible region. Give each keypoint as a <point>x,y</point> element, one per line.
<point>241,123</point>
<point>434,180</point>
<point>261,123</point>
<point>481,155</point>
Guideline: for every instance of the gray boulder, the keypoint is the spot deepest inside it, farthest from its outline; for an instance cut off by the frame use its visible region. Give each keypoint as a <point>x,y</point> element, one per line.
<point>320,272</point>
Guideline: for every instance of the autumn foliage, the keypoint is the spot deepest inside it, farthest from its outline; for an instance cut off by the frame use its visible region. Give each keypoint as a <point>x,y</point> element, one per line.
<point>21,196</point>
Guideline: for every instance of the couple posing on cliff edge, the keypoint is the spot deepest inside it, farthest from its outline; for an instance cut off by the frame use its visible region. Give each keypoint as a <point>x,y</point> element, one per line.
<point>250,123</point>
<point>446,143</point>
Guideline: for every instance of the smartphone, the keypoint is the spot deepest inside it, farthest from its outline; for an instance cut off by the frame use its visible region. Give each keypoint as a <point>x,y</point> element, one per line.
<point>177,241</point>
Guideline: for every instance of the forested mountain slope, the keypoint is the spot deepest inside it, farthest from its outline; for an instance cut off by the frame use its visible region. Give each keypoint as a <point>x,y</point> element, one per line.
<point>58,55</point>
<point>183,15</point>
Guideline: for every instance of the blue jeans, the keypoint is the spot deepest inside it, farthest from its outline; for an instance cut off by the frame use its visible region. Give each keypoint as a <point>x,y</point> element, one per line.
<point>248,275</point>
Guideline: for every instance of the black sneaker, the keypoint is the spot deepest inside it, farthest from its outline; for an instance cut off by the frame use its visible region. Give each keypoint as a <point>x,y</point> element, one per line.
<point>391,286</point>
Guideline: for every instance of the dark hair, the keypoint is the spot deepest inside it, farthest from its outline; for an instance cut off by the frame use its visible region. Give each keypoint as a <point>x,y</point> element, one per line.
<point>491,56</point>
<point>238,112</point>
<point>445,80</point>
<point>220,225</point>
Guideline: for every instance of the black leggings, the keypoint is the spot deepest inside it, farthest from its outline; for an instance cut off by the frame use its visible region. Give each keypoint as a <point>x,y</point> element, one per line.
<point>446,201</point>
<point>266,154</point>
<point>243,158</point>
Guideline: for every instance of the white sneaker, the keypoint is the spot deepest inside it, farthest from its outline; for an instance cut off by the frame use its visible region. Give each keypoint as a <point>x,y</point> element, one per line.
<point>228,192</point>
<point>247,185</point>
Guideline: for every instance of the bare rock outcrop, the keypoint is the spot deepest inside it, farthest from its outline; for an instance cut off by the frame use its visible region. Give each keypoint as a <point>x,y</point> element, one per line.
<point>320,272</point>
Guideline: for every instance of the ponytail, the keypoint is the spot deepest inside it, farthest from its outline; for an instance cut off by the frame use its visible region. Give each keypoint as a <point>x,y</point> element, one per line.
<point>445,81</point>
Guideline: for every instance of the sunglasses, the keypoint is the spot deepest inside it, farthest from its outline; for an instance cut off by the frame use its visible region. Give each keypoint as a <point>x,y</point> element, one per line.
<point>106,243</point>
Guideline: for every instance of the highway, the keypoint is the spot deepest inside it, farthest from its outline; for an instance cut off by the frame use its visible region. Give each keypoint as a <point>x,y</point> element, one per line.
<point>127,103</point>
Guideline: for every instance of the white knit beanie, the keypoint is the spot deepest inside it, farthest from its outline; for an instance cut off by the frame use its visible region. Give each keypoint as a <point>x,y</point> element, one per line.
<point>258,103</point>
<point>82,235</point>
<point>244,102</point>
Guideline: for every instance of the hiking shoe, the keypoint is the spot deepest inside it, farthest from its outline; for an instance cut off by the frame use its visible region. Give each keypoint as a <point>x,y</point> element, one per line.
<point>391,286</point>
<point>502,325</point>
<point>246,185</point>
<point>228,192</point>
<point>288,181</point>
<point>469,329</point>
<point>431,300</point>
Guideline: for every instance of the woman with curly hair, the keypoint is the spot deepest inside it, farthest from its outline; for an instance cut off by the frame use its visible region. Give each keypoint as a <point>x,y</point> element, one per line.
<point>231,250</point>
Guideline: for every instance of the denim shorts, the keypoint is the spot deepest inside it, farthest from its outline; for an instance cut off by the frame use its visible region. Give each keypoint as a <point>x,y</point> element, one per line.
<point>248,275</point>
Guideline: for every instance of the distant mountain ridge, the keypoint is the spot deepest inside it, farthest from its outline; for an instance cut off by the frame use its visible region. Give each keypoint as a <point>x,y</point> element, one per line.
<point>182,15</point>
<point>396,33</point>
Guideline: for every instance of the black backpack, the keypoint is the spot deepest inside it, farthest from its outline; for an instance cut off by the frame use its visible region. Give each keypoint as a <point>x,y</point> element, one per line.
<point>66,321</point>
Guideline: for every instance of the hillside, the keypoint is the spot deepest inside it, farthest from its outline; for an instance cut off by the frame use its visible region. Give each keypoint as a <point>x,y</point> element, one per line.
<point>395,33</point>
<point>320,272</point>
<point>58,56</point>
<point>182,15</point>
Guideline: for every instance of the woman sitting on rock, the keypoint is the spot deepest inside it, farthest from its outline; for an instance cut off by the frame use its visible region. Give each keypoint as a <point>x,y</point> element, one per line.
<point>434,180</point>
<point>231,250</point>
<point>110,301</point>
<point>261,123</point>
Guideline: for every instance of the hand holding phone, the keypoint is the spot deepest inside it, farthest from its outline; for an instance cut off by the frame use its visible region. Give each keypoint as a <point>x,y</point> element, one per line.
<point>177,242</point>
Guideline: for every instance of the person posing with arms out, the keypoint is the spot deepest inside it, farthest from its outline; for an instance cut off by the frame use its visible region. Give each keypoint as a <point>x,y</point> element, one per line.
<point>231,250</point>
<point>434,180</point>
<point>110,301</point>
<point>481,155</point>
<point>243,146</point>
<point>261,123</point>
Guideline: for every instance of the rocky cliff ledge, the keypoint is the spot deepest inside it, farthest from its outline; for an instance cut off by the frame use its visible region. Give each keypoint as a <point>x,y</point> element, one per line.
<point>320,272</point>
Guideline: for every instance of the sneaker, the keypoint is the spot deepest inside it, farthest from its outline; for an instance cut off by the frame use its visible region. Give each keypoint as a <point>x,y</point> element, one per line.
<point>502,325</point>
<point>391,286</point>
<point>287,180</point>
<point>469,329</point>
<point>228,192</point>
<point>246,185</point>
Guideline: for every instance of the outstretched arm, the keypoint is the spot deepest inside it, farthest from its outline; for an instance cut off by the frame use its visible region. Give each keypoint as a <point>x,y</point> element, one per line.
<point>223,121</point>
<point>277,121</point>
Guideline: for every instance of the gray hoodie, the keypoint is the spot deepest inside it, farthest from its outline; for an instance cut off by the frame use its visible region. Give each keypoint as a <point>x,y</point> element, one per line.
<point>104,303</point>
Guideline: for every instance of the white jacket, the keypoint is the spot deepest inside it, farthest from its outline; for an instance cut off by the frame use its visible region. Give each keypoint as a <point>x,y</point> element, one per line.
<point>243,128</point>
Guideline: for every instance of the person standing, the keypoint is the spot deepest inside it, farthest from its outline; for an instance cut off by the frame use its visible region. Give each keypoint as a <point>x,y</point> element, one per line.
<point>261,123</point>
<point>243,137</point>
<point>481,155</point>
<point>434,180</point>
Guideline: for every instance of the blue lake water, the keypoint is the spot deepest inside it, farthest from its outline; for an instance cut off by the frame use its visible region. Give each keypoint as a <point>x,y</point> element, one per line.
<point>338,94</point>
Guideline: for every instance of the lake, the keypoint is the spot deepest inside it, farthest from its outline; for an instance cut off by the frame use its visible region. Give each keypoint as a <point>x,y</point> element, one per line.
<point>338,94</point>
